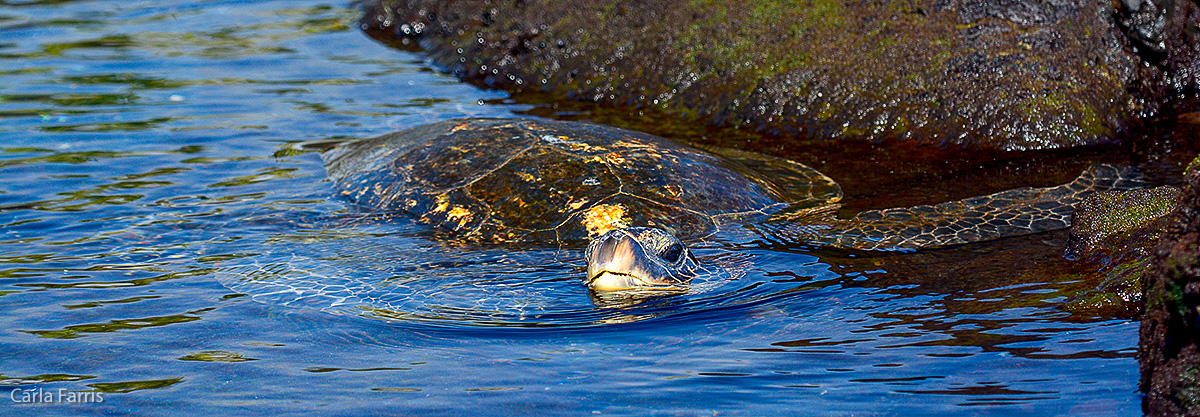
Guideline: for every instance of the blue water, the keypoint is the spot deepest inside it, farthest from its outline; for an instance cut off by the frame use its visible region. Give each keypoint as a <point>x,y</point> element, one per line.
<point>149,163</point>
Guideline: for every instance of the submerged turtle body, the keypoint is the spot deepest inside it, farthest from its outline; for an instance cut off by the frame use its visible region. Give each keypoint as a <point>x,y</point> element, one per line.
<point>504,180</point>
<point>633,195</point>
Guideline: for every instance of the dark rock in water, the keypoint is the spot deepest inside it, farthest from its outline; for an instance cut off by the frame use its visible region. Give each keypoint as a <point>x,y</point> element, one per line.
<point>1000,74</point>
<point>1116,232</point>
<point>1111,226</point>
<point>1169,349</point>
<point>1164,36</point>
<point>1118,294</point>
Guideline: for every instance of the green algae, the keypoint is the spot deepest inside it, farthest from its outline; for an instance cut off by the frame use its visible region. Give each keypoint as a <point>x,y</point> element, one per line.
<point>1120,225</point>
<point>902,69</point>
<point>130,386</point>
<point>216,356</point>
<point>1118,292</point>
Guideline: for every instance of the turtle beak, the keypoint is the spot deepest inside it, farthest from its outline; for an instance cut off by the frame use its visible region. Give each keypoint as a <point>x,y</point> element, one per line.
<point>617,261</point>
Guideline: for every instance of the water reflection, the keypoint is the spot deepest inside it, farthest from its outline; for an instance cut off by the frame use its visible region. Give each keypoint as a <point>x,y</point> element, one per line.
<point>399,270</point>
<point>80,330</point>
<point>145,161</point>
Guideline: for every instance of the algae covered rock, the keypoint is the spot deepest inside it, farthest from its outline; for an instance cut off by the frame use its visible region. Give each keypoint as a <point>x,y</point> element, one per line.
<point>1115,232</point>
<point>1112,226</point>
<point>1169,346</point>
<point>1000,74</point>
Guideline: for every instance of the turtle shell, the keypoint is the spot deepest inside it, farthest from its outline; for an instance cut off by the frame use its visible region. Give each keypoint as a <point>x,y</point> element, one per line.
<point>543,181</point>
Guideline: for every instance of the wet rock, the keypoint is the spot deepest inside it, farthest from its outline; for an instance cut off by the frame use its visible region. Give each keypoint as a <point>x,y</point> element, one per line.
<point>1118,294</point>
<point>1114,234</point>
<point>1163,35</point>
<point>1169,349</point>
<point>1111,226</point>
<point>997,73</point>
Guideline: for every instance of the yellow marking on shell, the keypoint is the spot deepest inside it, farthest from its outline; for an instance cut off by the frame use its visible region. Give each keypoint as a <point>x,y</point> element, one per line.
<point>454,214</point>
<point>566,141</point>
<point>628,145</point>
<point>459,215</point>
<point>673,190</point>
<point>527,177</point>
<point>604,217</point>
<point>615,158</point>
<point>507,237</point>
<point>443,204</point>
<point>575,145</point>
<point>576,204</point>
<point>459,127</point>
<point>653,153</point>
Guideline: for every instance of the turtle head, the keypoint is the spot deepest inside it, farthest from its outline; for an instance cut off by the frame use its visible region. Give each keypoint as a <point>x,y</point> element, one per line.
<point>638,258</point>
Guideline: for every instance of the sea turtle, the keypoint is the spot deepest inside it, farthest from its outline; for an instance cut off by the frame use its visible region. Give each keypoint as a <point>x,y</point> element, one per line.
<point>634,196</point>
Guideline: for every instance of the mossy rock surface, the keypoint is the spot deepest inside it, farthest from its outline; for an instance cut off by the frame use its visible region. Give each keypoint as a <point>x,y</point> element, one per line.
<point>1007,75</point>
<point>1113,235</point>
<point>1112,226</point>
<point>1169,346</point>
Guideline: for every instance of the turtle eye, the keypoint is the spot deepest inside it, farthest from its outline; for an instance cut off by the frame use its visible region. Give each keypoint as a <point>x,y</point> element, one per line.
<point>672,253</point>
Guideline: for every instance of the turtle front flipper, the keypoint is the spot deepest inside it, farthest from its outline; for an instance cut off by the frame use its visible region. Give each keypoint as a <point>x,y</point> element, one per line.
<point>1014,212</point>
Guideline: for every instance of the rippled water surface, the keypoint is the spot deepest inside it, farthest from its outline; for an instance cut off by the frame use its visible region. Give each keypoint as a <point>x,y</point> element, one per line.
<point>164,242</point>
